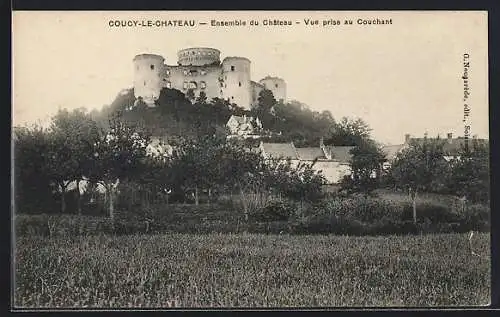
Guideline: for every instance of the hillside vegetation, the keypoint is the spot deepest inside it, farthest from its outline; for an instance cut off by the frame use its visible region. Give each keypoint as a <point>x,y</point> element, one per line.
<point>177,115</point>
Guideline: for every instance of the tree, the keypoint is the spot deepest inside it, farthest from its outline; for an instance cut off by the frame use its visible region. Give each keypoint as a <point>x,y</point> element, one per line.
<point>470,173</point>
<point>62,164</point>
<point>72,136</point>
<point>301,183</point>
<point>418,168</point>
<point>241,170</point>
<point>349,132</point>
<point>172,102</point>
<point>221,110</point>
<point>266,100</point>
<point>298,123</point>
<point>139,105</point>
<point>152,182</point>
<point>194,162</point>
<point>32,181</point>
<point>118,155</point>
<point>202,98</point>
<point>190,94</point>
<point>366,162</point>
<point>264,108</point>
<point>247,172</point>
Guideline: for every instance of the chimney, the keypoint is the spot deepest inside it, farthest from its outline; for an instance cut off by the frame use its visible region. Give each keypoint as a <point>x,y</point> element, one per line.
<point>407,138</point>
<point>450,137</point>
<point>474,136</point>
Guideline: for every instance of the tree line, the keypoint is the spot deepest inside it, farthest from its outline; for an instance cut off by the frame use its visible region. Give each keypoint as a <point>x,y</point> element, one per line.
<point>74,149</point>
<point>109,147</point>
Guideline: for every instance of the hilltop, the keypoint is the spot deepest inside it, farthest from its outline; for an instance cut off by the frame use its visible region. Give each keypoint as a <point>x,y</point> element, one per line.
<point>177,114</point>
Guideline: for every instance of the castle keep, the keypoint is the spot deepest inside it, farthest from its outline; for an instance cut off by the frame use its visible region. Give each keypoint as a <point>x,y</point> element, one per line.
<point>200,69</point>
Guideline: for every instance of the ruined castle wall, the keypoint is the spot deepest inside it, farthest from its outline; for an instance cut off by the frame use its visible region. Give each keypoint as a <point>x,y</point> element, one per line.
<point>200,69</point>
<point>197,78</point>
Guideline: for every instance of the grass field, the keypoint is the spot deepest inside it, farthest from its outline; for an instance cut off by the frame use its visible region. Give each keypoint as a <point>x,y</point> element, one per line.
<point>251,270</point>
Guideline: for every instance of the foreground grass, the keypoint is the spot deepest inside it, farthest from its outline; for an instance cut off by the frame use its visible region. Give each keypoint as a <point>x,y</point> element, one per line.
<point>251,270</point>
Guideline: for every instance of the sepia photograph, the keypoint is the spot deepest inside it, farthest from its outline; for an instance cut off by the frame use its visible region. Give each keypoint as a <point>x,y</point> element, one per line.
<point>250,159</point>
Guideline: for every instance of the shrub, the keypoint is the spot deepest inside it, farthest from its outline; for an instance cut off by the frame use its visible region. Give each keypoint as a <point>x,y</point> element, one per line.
<point>388,226</point>
<point>60,225</point>
<point>357,215</point>
<point>328,223</point>
<point>360,208</point>
<point>270,227</point>
<point>476,217</point>
<point>435,212</point>
<point>31,225</point>
<point>349,216</point>
<point>274,211</point>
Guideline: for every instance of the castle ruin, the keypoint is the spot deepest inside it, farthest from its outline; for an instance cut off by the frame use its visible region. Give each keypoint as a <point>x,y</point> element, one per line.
<point>200,69</point>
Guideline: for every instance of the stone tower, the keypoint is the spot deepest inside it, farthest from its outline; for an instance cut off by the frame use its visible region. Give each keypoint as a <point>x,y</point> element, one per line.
<point>147,77</point>
<point>198,56</point>
<point>276,85</point>
<point>236,81</point>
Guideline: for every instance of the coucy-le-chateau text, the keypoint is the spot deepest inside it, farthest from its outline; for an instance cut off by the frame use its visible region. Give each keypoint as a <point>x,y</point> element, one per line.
<point>252,22</point>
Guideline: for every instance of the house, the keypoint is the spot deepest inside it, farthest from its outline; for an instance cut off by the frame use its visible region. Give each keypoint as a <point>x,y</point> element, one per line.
<point>391,152</point>
<point>310,153</point>
<point>338,162</point>
<point>279,151</point>
<point>332,161</point>
<point>243,126</point>
<point>157,147</point>
<point>451,146</point>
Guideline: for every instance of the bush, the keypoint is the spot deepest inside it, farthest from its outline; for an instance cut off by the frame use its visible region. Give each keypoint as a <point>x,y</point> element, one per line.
<point>360,215</point>
<point>387,226</point>
<point>360,208</point>
<point>327,224</point>
<point>274,211</point>
<point>61,225</point>
<point>435,212</point>
<point>476,217</point>
<point>345,216</point>
<point>270,227</point>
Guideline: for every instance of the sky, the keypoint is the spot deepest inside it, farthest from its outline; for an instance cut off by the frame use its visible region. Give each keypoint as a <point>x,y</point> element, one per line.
<point>404,77</point>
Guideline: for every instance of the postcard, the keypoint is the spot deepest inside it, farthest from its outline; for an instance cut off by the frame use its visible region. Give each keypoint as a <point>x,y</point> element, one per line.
<point>250,159</point>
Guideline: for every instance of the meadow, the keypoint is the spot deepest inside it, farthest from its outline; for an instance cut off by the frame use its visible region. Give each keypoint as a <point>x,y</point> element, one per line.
<point>251,270</point>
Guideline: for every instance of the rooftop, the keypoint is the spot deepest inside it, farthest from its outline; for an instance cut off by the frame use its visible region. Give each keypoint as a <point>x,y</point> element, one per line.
<point>452,146</point>
<point>391,151</point>
<point>310,153</point>
<point>340,153</point>
<point>241,119</point>
<point>280,150</point>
